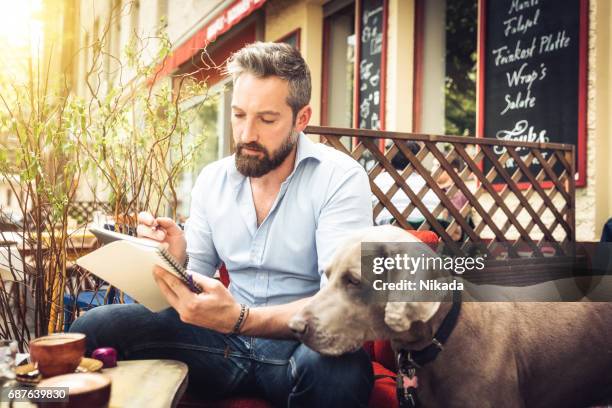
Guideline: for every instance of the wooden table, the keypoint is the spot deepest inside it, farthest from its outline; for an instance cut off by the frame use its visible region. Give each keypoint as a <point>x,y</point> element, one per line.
<point>147,383</point>
<point>141,383</point>
<point>80,241</point>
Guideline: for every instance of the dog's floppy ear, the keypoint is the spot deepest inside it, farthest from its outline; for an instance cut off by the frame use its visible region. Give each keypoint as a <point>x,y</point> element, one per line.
<point>400,315</point>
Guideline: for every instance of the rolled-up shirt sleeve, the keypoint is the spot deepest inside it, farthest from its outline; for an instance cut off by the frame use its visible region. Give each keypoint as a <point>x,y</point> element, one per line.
<point>203,257</point>
<point>347,208</point>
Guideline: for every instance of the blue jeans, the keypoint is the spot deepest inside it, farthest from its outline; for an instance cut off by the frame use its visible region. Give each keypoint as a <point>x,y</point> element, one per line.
<point>284,372</point>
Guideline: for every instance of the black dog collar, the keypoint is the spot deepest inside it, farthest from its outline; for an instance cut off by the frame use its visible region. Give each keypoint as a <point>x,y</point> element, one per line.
<point>408,361</point>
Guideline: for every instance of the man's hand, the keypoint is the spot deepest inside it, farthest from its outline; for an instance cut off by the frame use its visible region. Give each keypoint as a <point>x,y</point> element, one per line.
<point>164,230</point>
<point>214,308</point>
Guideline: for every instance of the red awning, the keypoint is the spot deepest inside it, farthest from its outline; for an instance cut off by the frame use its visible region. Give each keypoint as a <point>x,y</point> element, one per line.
<point>225,20</point>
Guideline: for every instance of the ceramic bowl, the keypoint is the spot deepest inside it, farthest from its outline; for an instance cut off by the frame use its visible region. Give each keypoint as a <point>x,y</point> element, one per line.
<point>84,390</point>
<point>58,353</point>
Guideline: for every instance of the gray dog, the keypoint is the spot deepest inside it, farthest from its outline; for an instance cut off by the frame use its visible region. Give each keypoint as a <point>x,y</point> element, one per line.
<point>500,354</point>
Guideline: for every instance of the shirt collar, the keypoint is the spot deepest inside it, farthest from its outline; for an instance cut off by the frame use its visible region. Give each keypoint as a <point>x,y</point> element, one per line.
<point>306,148</point>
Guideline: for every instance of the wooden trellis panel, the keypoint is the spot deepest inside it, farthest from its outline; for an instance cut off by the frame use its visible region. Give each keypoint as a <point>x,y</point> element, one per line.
<point>523,213</point>
<point>82,211</point>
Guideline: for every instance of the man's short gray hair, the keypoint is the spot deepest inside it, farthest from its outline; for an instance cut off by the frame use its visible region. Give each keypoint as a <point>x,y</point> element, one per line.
<point>265,59</point>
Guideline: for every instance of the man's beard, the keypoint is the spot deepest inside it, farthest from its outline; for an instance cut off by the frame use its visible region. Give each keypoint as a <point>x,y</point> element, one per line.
<point>255,166</point>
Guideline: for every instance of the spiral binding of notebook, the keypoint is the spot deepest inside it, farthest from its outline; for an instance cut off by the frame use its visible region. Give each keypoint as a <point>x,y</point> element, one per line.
<point>178,268</point>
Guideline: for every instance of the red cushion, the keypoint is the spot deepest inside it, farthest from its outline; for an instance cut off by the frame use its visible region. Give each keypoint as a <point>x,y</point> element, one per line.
<point>383,393</point>
<point>384,355</point>
<point>428,237</point>
<point>224,276</point>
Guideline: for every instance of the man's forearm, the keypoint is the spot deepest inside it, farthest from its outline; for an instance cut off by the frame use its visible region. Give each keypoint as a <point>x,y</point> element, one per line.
<point>272,321</point>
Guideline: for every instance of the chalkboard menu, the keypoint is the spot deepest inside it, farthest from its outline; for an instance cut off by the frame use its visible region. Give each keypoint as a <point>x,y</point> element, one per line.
<point>532,68</point>
<point>370,69</point>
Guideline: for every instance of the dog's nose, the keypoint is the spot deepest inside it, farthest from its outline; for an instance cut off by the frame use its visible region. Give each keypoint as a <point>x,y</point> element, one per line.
<point>298,326</point>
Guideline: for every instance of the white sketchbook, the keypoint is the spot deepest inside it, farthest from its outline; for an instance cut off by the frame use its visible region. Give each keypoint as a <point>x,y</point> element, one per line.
<point>127,263</point>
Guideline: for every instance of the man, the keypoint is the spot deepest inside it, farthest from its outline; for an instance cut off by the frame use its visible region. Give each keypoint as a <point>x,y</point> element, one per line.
<point>273,213</point>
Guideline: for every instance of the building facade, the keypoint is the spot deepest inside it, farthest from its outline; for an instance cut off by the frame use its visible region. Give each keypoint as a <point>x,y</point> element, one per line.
<point>401,65</point>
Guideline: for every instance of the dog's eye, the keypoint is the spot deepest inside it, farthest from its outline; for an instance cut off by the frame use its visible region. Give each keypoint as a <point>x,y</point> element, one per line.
<point>350,280</point>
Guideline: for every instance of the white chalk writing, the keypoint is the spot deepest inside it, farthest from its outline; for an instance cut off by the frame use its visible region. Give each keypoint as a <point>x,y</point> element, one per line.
<point>520,5</point>
<point>521,132</point>
<point>520,24</point>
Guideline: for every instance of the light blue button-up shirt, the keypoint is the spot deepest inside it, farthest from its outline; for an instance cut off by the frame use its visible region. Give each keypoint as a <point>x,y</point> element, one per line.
<point>325,198</point>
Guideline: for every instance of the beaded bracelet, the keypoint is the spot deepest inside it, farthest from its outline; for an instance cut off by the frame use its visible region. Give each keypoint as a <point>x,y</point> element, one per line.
<point>246,316</point>
<point>244,309</point>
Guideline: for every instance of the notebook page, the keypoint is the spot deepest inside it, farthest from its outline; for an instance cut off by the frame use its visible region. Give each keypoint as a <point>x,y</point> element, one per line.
<point>129,267</point>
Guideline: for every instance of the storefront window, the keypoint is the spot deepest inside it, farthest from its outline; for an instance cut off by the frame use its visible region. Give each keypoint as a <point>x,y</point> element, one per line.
<point>210,115</point>
<point>446,55</point>
<point>293,39</point>
<point>339,67</point>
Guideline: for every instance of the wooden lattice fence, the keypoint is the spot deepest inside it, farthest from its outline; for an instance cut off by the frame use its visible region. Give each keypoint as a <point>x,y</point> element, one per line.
<point>531,206</point>
<point>82,211</point>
